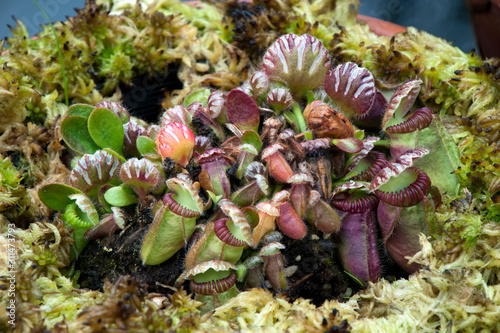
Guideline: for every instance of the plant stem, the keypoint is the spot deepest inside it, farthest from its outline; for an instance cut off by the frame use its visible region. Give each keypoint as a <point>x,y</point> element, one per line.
<point>300,117</point>
<point>63,72</point>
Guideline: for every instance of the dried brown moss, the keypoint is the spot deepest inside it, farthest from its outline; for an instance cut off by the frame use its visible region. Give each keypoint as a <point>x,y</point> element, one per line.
<point>15,92</point>
<point>458,290</point>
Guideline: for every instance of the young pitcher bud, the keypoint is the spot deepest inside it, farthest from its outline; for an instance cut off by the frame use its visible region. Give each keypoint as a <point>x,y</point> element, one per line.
<point>176,141</point>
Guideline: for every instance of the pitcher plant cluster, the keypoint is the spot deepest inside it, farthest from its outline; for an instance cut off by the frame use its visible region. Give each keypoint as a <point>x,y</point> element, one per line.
<point>301,146</point>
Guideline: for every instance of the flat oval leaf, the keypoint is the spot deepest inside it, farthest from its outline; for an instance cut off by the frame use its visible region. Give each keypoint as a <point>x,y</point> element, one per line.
<point>106,129</point>
<point>198,95</point>
<point>117,109</point>
<point>56,196</point>
<point>443,158</point>
<point>146,146</point>
<point>76,135</point>
<point>83,110</point>
<point>242,110</point>
<point>120,196</point>
<point>251,137</point>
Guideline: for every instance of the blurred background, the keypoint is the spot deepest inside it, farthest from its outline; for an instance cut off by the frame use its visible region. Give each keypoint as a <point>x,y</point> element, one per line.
<point>31,16</point>
<point>448,19</point>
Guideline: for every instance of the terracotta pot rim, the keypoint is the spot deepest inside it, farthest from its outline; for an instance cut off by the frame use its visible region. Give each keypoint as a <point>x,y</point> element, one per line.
<point>381,27</point>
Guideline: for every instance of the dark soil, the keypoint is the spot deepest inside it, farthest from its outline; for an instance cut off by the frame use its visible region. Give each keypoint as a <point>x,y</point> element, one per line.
<point>144,96</point>
<point>319,274</point>
<point>120,255</point>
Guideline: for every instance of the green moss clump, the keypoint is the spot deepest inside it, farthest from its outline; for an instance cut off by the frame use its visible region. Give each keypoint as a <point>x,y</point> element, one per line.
<point>476,139</point>
<point>11,191</point>
<point>16,89</point>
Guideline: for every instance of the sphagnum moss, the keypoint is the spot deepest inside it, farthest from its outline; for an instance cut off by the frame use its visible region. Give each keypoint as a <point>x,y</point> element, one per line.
<point>457,290</point>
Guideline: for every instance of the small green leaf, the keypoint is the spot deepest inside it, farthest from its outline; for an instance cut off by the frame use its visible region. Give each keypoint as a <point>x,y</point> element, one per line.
<point>75,133</point>
<point>120,196</point>
<point>443,158</point>
<point>56,196</point>
<point>308,135</point>
<point>117,109</point>
<point>251,137</point>
<point>215,198</point>
<point>106,129</point>
<point>198,95</point>
<point>299,117</point>
<point>146,146</point>
<point>83,110</point>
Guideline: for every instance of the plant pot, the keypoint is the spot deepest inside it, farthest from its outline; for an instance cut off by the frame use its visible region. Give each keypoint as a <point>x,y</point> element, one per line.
<point>381,27</point>
<point>430,299</point>
<point>486,19</point>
